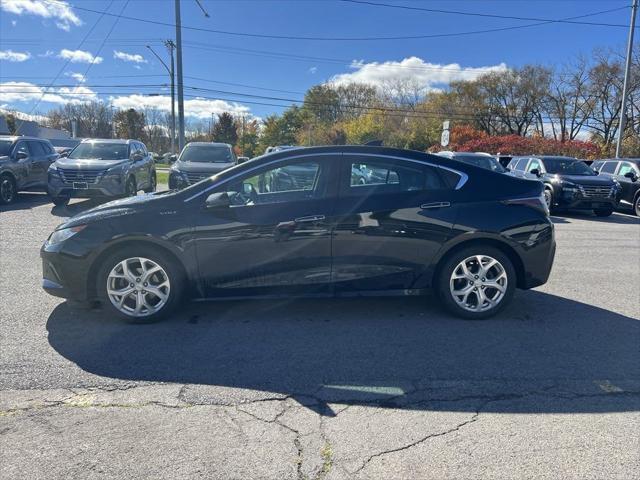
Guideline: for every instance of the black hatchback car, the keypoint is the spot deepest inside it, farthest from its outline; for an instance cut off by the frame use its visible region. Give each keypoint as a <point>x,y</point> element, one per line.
<point>626,171</point>
<point>569,183</point>
<point>296,222</point>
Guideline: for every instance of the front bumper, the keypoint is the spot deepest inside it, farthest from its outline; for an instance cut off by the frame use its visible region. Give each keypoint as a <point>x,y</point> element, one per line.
<point>577,199</point>
<point>65,274</point>
<point>106,186</point>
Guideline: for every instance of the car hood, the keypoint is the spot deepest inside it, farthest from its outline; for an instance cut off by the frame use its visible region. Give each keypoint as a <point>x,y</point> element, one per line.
<point>586,180</point>
<point>88,164</point>
<point>115,208</point>
<point>201,167</point>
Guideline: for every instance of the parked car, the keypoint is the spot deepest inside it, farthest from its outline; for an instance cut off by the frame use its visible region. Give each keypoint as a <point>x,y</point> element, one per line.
<point>102,168</point>
<point>279,148</point>
<point>569,183</point>
<point>168,157</point>
<point>482,160</point>
<point>243,159</point>
<point>200,160</point>
<point>471,234</point>
<point>626,171</point>
<point>23,166</point>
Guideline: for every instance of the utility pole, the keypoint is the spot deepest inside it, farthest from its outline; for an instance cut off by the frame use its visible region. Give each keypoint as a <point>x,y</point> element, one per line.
<point>243,127</point>
<point>180,81</point>
<point>625,86</point>
<point>170,46</point>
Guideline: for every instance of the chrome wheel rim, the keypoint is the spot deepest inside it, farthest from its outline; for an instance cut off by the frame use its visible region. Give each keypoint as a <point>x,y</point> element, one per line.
<point>6,190</point>
<point>138,287</point>
<point>547,198</point>
<point>478,283</point>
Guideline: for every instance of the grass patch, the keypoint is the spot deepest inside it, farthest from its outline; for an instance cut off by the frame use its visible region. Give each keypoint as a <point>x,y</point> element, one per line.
<point>162,177</point>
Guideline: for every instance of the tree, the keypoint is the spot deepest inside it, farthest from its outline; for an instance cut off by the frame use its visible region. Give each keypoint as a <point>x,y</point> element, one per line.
<point>225,129</point>
<point>93,119</point>
<point>130,124</point>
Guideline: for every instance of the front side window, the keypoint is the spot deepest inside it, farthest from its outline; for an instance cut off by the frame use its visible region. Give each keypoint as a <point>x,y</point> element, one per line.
<point>100,151</point>
<point>533,165</point>
<point>22,148</point>
<point>609,167</point>
<point>383,176</point>
<point>285,183</point>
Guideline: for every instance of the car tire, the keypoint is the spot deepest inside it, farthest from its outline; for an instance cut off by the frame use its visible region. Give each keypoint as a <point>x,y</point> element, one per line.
<point>548,198</point>
<point>154,183</point>
<point>167,281</point>
<point>60,201</point>
<point>472,295</point>
<point>603,212</point>
<point>130,188</point>
<point>8,190</point>
<point>636,206</point>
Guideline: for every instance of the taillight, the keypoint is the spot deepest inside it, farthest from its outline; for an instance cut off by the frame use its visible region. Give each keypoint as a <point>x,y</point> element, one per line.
<point>538,203</point>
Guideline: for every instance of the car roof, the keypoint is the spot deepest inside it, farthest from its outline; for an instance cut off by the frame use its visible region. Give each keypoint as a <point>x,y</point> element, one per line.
<point>634,160</point>
<point>208,144</point>
<point>13,138</point>
<point>547,157</point>
<point>110,140</point>
<point>450,154</point>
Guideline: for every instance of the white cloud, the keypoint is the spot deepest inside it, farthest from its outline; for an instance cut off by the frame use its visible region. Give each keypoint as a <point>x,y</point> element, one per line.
<point>79,56</point>
<point>313,70</point>
<point>11,56</point>
<point>58,10</point>
<point>14,23</point>
<point>79,77</point>
<point>47,54</point>
<point>198,107</point>
<point>129,57</point>
<point>413,69</point>
<point>19,92</point>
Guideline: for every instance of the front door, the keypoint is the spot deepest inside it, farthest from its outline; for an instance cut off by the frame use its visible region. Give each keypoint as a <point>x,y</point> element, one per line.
<point>628,186</point>
<point>391,218</point>
<point>275,237</point>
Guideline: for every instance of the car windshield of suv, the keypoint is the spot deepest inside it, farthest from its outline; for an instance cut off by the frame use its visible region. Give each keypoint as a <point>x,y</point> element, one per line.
<point>488,163</point>
<point>561,166</point>
<point>206,154</point>
<point>100,151</point>
<point>5,146</point>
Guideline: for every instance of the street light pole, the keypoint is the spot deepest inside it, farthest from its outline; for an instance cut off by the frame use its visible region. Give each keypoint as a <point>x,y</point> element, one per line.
<point>180,80</point>
<point>170,46</point>
<point>625,86</point>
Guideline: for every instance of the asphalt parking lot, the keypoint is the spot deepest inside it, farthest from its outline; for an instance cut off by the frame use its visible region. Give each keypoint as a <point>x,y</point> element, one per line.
<point>313,389</point>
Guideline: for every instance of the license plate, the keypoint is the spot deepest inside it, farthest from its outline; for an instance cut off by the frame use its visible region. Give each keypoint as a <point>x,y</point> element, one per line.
<point>80,185</point>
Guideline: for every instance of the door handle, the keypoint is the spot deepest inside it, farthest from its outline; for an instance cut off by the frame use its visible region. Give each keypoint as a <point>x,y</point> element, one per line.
<point>426,206</point>
<point>310,218</point>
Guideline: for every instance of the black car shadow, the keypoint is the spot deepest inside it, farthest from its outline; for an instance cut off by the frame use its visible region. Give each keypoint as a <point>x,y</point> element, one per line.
<point>77,207</point>
<point>388,352</point>
<point>26,201</point>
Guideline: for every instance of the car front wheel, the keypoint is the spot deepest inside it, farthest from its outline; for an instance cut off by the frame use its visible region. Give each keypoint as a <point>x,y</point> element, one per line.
<point>153,184</point>
<point>636,206</point>
<point>8,190</point>
<point>604,212</point>
<point>60,201</point>
<point>130,189</point>
<point>476,282</point>
<point>140,285</point>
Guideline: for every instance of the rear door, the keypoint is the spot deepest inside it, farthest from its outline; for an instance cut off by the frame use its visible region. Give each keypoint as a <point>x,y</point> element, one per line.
<point>389,226</point>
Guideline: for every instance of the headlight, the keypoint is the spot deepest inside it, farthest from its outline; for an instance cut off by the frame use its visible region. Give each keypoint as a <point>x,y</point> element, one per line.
<point>114,172</point>
<point>64,234</point>
<point>53,168</point>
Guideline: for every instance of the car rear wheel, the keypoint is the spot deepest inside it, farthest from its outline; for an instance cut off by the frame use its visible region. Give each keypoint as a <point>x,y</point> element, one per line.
<point>140,285</point>
<point>60,201</point>
<point>8,190</point>
<point>603,212</point>
<point>153,185</point>
<point>548,199</point>
<point>476,282</point>
<point>636,206</point>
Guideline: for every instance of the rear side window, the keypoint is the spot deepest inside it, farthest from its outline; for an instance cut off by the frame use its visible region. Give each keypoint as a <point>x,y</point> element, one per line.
<point>625,168</point>
<point>381,176</point>
<point>37,149</point>
<point>609,167</point>
<point>518,163</point>
<point>596,165</point>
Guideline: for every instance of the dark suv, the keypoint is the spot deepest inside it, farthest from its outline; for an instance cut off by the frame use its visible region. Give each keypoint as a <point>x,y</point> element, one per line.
<point>199,160</point>
<point>102,168</point>
<point>23,165</point>
<point>569,183</point>
<point>626,171</point>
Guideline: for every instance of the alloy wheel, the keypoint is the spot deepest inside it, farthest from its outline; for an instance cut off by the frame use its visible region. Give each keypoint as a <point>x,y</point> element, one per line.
<point>478,283</point>
<point>138,287</point>
<point>547,198</point>
<point>7,190</point>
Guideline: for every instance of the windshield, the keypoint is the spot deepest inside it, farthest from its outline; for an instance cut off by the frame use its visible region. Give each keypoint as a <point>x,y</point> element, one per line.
<point>488,163</point>
<point>206,154</point>
<point>567,166</point>
<point>100,151</point>
<point>5,146</point>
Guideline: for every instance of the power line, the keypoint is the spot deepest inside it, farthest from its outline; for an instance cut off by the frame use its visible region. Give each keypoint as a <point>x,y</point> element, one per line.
<point>485,15</point>
<point>342,39</point>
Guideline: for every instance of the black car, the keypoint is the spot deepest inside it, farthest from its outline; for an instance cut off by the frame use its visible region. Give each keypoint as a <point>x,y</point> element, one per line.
<point>23,166</point>
<point>199,160</point>
<point>569,183</point>
<point>626,171</point>
<point>482,160</point>
<point>260,228</point>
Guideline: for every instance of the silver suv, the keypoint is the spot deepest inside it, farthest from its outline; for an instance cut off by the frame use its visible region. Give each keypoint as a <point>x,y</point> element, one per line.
<point>102,168</point>
<point>23,165</point>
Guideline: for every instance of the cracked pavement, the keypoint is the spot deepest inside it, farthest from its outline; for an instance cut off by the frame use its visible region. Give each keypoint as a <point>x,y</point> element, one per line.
<point>327,389</point>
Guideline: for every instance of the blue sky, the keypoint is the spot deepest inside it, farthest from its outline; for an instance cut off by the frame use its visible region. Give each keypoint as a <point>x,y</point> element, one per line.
<point>38,37</point>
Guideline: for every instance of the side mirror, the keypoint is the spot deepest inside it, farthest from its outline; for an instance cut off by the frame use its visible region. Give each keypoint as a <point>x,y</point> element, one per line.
<point>217,200</point>
<point>64,154</point>
<point>136,157</point>
<point>632,176</point>
<point>173,157</point>
<point>536,172</point>
<point>21,156</point>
